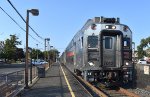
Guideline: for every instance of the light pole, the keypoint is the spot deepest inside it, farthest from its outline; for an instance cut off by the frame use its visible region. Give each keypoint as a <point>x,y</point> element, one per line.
<point>30,51</point>
<point>37,51</point>
<point>34,12</point>
<point>48,39</point>
<point>45,50</point>
<point>51,53</point>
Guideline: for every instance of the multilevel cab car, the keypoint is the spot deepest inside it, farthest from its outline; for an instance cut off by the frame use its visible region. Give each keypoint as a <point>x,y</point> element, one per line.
<point>101,51</point>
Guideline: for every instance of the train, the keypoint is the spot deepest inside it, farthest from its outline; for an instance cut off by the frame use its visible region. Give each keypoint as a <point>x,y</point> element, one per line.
<point>101,51</point>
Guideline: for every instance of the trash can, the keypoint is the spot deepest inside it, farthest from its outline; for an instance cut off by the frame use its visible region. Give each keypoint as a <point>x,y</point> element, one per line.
<point>41,72</point>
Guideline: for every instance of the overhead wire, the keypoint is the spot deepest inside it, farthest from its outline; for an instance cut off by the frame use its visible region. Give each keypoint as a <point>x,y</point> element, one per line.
<point>24,19</point>
<point>18,24</point>
<point>12,19</point>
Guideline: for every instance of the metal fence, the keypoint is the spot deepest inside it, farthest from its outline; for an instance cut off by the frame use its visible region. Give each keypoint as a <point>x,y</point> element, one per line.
<point>12,83</point>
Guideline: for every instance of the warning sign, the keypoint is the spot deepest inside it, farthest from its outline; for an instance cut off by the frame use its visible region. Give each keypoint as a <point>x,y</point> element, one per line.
<point>146,70</point>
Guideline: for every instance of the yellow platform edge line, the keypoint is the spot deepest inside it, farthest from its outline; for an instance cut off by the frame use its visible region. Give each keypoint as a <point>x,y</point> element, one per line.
<point>70,89</point>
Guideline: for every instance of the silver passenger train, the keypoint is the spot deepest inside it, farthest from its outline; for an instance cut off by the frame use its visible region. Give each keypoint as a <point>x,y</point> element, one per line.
<point>101,51</point>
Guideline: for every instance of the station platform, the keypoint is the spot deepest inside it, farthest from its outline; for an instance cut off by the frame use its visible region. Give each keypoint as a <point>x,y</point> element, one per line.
<point>58,83</point>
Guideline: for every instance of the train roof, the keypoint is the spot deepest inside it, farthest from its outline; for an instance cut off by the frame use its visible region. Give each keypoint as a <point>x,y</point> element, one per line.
<point>99,20</point>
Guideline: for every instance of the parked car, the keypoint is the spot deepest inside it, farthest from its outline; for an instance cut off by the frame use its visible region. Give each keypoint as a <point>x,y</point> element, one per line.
<point>43,62</point>
<point>142,61</point>
<point>1,61</point>
<point>38,62</point>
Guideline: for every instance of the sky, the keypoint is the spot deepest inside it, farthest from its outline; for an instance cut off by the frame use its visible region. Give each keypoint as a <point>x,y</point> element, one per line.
<point>60,20</point>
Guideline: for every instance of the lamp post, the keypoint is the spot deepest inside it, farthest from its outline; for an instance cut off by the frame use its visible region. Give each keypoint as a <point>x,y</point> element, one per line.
<point>45,50</point>
<point>50,50</point>
<point>37,51</point>
<point>48,39</point>
<point>30,51</point>
<point>34,12</point>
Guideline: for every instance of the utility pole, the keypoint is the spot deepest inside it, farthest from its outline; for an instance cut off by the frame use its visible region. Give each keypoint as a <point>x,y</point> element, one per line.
<point>37,51</point>
<point>46,39</point>
<point>34,12</point>
<point>26,62</point>
<point>50,57</point>
<point>48,46</point>
<point>45,50</point>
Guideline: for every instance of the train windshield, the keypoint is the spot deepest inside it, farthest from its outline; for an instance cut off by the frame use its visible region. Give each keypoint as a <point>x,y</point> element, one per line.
<point>108,42</point>
<point>92,41</point>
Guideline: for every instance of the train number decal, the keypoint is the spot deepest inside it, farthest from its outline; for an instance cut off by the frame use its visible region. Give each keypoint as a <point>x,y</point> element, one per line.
<point>108,63</point>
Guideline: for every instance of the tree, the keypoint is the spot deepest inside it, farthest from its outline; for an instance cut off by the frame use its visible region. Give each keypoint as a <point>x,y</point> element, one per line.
<point>148,54</point>
<point>2,55</point>
<point>144,43</point>
<point>54,53</point>
<point>10,47</point>
<point>19,53</point>
<point>35,52</point>
<point>141,52</point>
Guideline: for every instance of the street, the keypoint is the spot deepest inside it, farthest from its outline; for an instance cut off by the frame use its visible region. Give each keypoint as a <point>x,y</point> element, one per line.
<point>9,68</point>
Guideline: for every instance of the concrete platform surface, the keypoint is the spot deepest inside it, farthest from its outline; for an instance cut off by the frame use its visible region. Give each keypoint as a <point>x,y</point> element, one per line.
<point>57,83</point>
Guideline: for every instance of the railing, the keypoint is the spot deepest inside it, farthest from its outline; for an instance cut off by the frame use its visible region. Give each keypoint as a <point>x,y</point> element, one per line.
<point>33,74</point>
<point>12,83</point>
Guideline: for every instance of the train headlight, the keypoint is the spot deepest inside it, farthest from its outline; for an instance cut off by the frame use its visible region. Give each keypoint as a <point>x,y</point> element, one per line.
<point>110,27</point>
<point>127,63</point>
<point>91,64</point>
<point>107,27</point>
<point>113,27</point>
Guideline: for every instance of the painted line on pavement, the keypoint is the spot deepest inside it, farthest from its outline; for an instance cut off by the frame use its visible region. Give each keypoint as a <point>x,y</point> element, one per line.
<point>70,89</point>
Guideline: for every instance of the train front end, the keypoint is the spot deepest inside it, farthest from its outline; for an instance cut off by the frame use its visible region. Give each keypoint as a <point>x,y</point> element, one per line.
<point>109,51</point>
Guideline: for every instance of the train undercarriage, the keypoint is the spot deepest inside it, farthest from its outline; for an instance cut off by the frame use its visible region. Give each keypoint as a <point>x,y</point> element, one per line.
<point>119,77</point>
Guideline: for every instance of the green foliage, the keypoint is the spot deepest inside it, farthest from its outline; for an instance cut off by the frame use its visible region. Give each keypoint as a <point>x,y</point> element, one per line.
<point>54,53</point>
<point>11,52</point>
<point>37,53</point>
<point>33,54</point>
<point>19,54</point>
<point>10,47</point>
<point>148,54</point>
<point>2,55</point>
<point>144,44</point>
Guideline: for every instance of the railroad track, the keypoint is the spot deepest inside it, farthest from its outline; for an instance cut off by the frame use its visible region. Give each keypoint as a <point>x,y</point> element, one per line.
<point>141,92</point>
<point>116,91</point>
<point>99,89</point>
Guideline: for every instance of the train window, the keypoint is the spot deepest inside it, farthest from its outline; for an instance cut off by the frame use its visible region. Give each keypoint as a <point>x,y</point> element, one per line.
<point>108,42</point>
<point>92,41</point>
<point>126,43</point>
<point>81,42</point>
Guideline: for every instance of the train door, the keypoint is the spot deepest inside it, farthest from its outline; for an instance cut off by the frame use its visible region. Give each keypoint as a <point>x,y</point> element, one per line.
<point>108,51</point>
<point>111,49</point>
